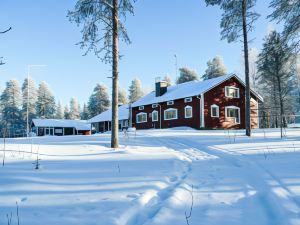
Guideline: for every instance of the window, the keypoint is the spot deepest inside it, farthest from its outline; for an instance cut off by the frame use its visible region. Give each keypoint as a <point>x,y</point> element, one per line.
<point>188,99</point>
<point>188,112</point>
<point>170,103</point>
<point>141,117</point>
<point>170,114</point>
<point>233,112</point>
<point>141,107</point>
<point>214,111</point>
<point>154,116</point>
<point>154,106</point>
<point>232,92</point>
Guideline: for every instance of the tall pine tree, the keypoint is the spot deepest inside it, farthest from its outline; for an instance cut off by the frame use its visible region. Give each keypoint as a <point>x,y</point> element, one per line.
<point>135,91</point>
<point>29,94</point>
<point>99,100</point>
<point>74,109</point>
<point>85,115</point>
<point>237,20</point>
<point>215,68</point>
<point>275,71</point>
<point>59,111</point>
<point>10,107</point>
<point>45,106</point>
<point>186,75</point>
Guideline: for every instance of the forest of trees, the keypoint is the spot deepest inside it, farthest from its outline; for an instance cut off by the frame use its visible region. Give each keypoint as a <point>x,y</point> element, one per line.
<point>42,104</point>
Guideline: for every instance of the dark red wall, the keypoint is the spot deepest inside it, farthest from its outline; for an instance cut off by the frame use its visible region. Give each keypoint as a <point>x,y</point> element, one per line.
<point>217,96</point>
<point>214,96</point>
<point>181,121</point>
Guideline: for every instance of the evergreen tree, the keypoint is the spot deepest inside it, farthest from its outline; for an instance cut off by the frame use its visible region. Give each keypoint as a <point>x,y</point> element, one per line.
<point>237,20</point>
<point>215,68</point>
<point>67,113</point>
<point>102,30</point>
<point>288,12</point>
<point>31,98</point>
<point>10,107</point>
<point>168,80</point>
<point>85,113</point>
<point>135,91</point>
<point>74,109</point>
<point>275,71</point>
<point>59,111</point>
<point>98,101</point>
<point>186,75</point>
<point>122,97</point>
<point>45,107</point>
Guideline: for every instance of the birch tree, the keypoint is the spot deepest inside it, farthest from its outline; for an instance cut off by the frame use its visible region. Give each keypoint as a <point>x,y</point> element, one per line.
<point>237,21</point>
<point>101,31</point>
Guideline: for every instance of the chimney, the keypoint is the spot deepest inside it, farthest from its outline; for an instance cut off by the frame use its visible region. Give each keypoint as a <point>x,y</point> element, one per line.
<point>160,87</point>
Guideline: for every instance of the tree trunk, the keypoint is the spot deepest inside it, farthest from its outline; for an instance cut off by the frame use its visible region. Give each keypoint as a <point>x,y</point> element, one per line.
<point>115,78</point>
<point>281,106</point>
<point>247,80</point>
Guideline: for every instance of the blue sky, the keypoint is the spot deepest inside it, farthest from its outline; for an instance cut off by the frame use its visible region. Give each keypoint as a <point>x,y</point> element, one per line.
<point>42,34</point>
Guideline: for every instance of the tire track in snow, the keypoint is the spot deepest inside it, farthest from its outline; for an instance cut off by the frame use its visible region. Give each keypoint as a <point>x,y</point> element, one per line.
<point>274,211</point>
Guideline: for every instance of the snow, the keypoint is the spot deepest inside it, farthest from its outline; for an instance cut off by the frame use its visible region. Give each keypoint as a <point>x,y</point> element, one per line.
<point>154,178</point>
<point>188,89</point>
<point>107,115</point>
<point>78,124</point>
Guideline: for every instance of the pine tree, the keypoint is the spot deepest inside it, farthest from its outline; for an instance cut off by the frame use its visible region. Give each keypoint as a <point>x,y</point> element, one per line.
<point>85,115</point>
<point>215,68</point>
<point>275,71</point>
<point>10,107</point>
<point>67,113</point>
<point>288,12</point>
<point>168,80</point>
<point>59,111</point>
<point>98,101</point>
<point>105,17</point>
<point>186,75</point>
<point>135,91</point>
<point>237,20</point>
<point>45,106</point>
<point>122,97</point>
<point>74,109</point>
<point>29,93</point>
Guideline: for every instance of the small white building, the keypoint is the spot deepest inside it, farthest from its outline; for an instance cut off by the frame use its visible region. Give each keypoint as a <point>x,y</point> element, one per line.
<point>59,127</point>
<point>102,122</point>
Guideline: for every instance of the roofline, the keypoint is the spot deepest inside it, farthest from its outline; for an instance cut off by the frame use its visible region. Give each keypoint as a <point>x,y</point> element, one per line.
<point>229,77</point>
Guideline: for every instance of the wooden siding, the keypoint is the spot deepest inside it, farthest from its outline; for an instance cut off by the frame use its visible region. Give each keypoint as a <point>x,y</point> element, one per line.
<point>215,96</point>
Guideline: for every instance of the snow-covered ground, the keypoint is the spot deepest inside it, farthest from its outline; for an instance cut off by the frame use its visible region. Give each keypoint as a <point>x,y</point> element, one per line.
<point>167,177</point>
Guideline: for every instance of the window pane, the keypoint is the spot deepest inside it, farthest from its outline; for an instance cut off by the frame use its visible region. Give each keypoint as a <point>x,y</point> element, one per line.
<point>188,112</point>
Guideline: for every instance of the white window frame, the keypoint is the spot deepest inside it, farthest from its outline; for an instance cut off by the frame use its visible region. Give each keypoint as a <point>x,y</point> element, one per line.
<point>155,105</point>
<point>185,108</point>
<point>141,107</point>
<point>155,111</point>
<point>239,113</point>
<point>141,113</point>
<point>170,109</point>
<point>170,102</point>
<point>189,99</point>
<point>232,87</point>
<point>211,110</point>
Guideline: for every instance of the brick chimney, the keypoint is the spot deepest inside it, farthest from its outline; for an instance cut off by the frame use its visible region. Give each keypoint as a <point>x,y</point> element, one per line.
<point>160,87</point>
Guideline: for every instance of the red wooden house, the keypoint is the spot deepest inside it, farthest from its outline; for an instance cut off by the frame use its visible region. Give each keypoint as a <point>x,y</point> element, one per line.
<point>210,104</point>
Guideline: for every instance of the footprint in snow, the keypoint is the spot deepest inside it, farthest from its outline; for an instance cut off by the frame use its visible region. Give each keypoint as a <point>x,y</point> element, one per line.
<point>24,199</point>
<point>134,196</point>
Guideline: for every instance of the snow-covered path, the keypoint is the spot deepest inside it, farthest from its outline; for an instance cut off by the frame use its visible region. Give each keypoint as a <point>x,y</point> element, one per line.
<point>154,178</point>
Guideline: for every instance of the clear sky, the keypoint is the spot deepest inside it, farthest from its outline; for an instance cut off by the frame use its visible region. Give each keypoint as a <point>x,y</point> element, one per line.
<point>159,29</point>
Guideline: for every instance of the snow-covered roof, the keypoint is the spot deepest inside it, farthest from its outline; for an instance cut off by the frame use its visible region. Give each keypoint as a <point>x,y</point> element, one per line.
<point>77,124</point>
<point>107,115</point>
<point>188,89</point>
